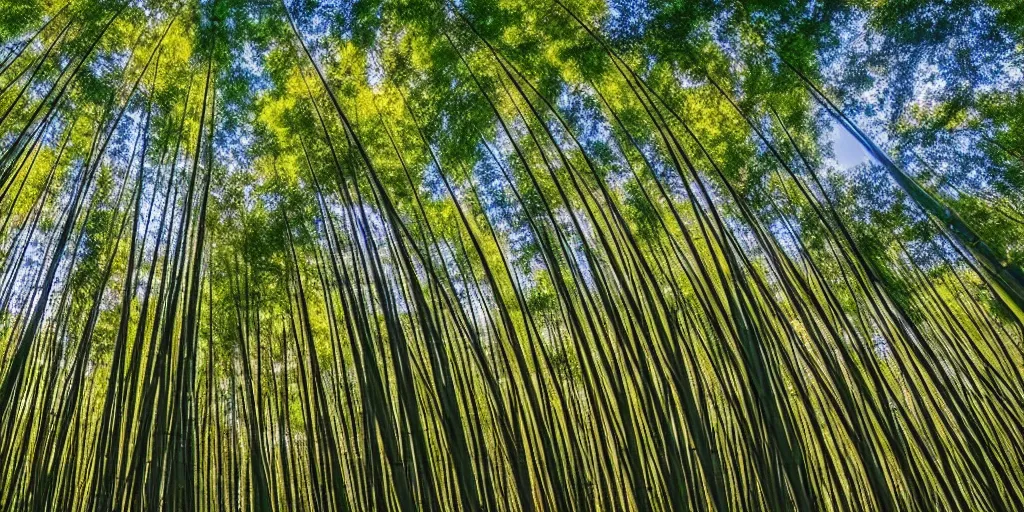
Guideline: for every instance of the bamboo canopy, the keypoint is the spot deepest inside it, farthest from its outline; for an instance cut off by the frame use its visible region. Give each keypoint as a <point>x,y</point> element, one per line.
<point>499,255</point>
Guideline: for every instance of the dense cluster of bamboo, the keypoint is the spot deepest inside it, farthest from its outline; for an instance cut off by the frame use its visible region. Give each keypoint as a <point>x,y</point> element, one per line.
<point>170,342</point>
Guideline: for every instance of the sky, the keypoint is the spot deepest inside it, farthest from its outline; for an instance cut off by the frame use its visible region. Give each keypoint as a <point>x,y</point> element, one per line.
<point>848,152</point>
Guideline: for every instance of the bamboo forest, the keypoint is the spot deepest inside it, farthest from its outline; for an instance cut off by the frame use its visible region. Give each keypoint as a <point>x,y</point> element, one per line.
<point>511,255</point>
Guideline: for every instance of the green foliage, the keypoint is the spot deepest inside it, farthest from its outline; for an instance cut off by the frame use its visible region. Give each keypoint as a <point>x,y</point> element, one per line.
<point>509,255</point>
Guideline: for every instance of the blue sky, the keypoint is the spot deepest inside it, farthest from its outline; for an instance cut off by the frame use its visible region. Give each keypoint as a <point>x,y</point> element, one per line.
<point>848,152</point>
